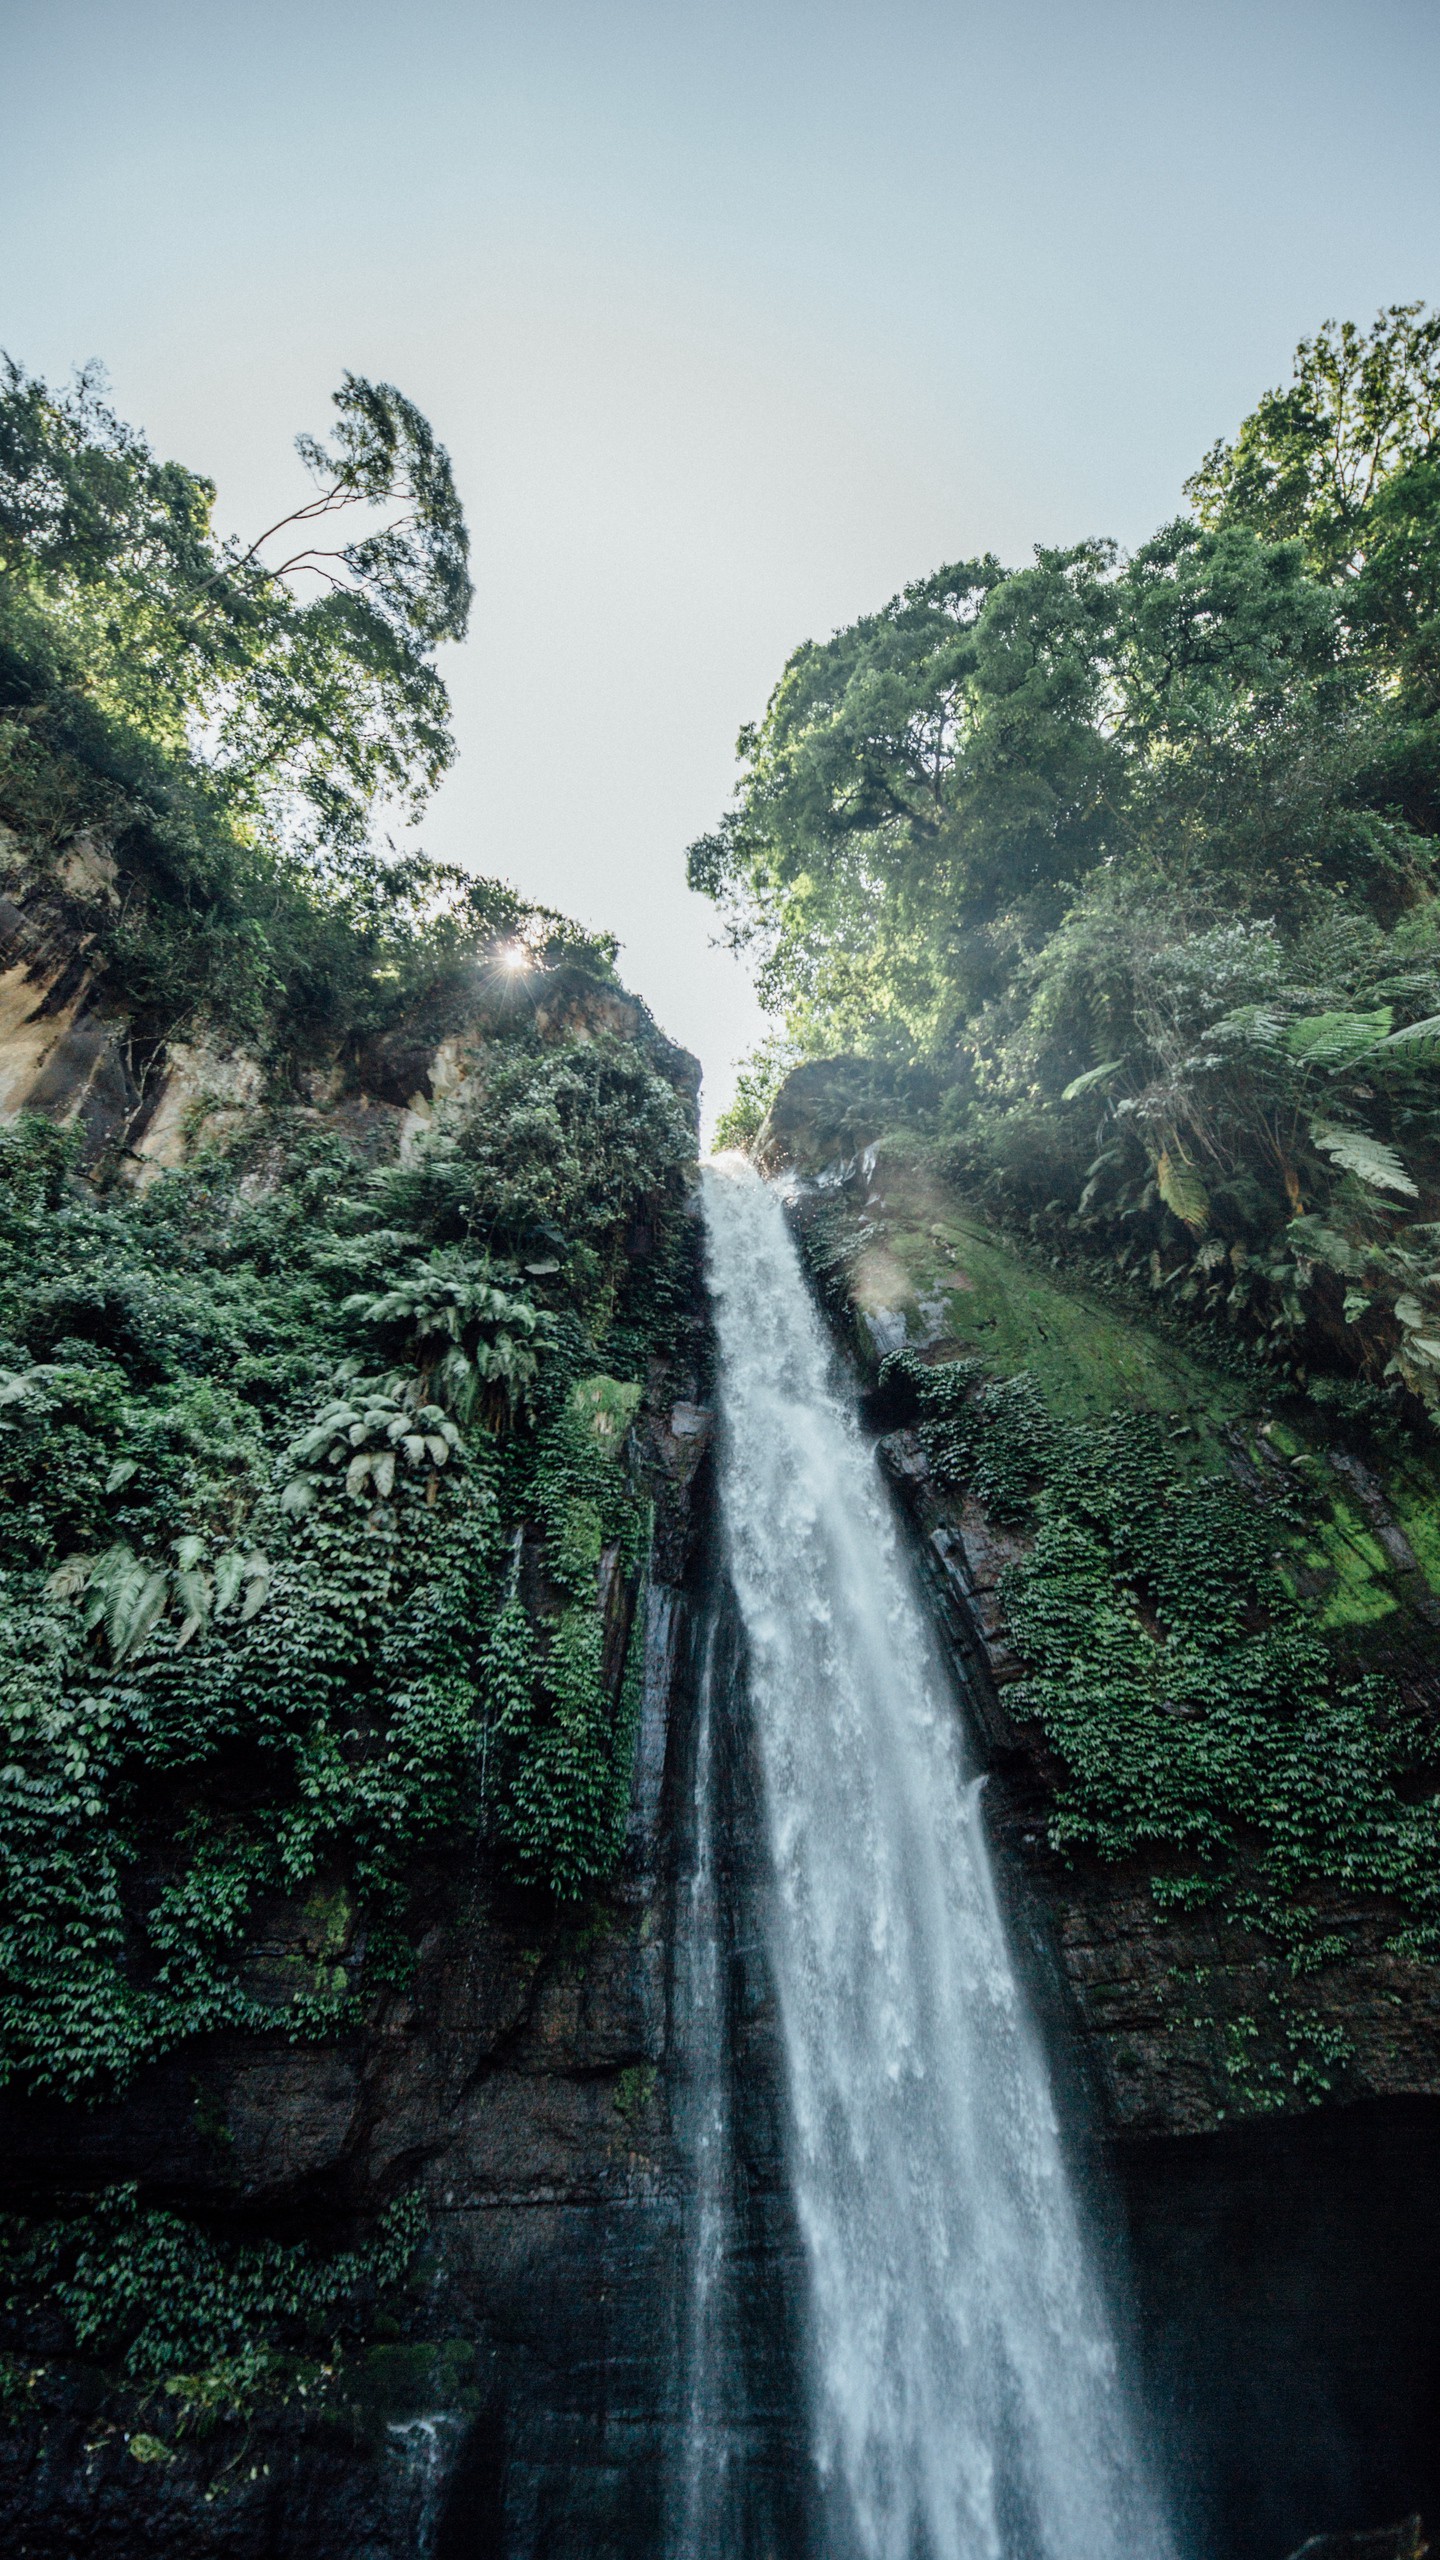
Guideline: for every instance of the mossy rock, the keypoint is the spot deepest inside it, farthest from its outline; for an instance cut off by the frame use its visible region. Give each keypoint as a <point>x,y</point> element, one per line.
<point>388,2386</point>
<point>965,1291</point>
<point>606,1407</point>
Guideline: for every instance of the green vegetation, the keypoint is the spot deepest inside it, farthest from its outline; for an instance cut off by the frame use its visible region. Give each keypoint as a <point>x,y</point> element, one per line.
<point>321,1537</point>
<point>1107,889</point>
<point>231,744</point>
<point>1120,873</point>
<point>1220,1602</point>
<point>1112,882</point>
<point>262,1625</point>
<point>1192,1702</point>
<point>150,2292</point>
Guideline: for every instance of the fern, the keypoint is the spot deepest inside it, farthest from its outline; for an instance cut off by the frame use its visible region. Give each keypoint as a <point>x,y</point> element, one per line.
<point>128,1597</point>
<point>1333,1041</point>
<point>1415,1044</point>
<point>1182,1190</point>
<point>1367,1158</point>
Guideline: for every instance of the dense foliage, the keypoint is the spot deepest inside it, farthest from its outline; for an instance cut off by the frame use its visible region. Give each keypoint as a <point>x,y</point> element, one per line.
<point>321,1539</point>
<point>147,2291</point>
<point>318,1535</point>
<point>1128,865</point>
<point>1191,1699</point>
<point>223,733</point>
<point>311,710</point>
<point>258,1531</point>
<point>1200,1720</point>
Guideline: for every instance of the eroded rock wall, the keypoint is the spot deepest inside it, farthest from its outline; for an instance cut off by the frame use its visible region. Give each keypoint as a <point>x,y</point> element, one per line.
<point>526,2081</point>
<point>522,2083</point>
<point>1280,2251</point>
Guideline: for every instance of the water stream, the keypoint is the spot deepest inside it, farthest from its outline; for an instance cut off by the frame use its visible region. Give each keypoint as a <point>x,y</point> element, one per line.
<point>703,2521</point>
<point>967,2396</point>
<point>426,2446</point>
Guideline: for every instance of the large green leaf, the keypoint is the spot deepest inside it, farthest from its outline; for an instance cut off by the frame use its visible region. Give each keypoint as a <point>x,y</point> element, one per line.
<point>137,1604</point>
<point>1334,1040</point>
<point>1257,1025</point>
<point>1367,1158</point>
<point>1415,1044</point>
<point>1182,1190</point>
<point>1092,1076</point>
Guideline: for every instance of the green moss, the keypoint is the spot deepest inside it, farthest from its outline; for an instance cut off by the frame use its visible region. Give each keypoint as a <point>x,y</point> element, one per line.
<point>605,1406</point>
<point>1084,1355</point>
<point>387,2385</point>
<point>1415,1501</point>
<point>329,1922</point>
<point>634,2090</point>
<point>1090,1358</point>
<point>1364,1590</point>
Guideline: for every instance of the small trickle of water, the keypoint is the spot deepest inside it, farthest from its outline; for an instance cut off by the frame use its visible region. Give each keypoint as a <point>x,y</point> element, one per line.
<point>700,2503</point>
<point>967,2398</point>
<point>426,2446</point>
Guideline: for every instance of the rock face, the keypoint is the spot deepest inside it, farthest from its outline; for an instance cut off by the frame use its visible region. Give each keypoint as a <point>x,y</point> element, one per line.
<point>1282,2267</point>
<point>531,2078</point>
<point>524,2083</point>
<point>71,1051</point>
<point>64,1050</point>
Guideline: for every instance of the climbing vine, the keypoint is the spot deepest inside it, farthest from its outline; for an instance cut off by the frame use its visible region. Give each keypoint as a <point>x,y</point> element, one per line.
<point>562,1739</point>
<point>1199,1716</point>
<point>275,1616</point>
<point>147,2291</point>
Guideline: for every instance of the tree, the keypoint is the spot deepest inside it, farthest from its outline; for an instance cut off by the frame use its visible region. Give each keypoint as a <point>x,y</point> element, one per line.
<point>414,569</point>
<point>938,765</point>
<point>312,713</point>
<point>1310,459</point>
<point>929,788</point>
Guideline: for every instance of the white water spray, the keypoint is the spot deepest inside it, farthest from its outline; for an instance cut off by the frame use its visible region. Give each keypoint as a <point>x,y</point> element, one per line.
<point>967,2398</point>
<point>702,2522</point>
<point>425,2445</point>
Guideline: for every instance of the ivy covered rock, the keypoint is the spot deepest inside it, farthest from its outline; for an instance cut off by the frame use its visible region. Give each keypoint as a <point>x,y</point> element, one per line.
<point>1197,1605</point>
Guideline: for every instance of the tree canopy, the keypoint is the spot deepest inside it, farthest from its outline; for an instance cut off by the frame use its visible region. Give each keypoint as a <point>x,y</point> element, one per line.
<point>314,710</point>
<point>240,723</point>
<point>1129,862</point>
<point>1251,696</point>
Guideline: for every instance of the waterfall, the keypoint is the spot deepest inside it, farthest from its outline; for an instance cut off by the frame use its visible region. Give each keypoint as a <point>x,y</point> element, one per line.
<point>967,2398</point>
<point>702,2525</point>
<point>425,2445</point>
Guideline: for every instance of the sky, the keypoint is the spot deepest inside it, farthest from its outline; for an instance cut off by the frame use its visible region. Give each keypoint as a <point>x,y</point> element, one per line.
<point>734,319</point>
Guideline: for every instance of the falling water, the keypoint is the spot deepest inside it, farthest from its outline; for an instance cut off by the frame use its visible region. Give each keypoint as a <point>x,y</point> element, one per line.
<point>425,2446</point>
<point>701,2512</point>
<point>967,2399</point>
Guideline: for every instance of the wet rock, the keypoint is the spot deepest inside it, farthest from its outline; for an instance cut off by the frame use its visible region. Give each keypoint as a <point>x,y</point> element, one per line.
<point>1392,2542</point>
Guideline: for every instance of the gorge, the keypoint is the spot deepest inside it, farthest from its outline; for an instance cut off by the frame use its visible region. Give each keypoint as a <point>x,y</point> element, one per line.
<point>733,1860</point>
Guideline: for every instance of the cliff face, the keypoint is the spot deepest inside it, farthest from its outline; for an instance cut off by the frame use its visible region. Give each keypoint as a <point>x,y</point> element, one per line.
<point>72,1051</point>
<point>521,2393</point>
<point>531,2085</point>
<point>1264,2112</point>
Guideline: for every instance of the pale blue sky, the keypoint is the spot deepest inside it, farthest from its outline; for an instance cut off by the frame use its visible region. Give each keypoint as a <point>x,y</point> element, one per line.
<point>734,319</point>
